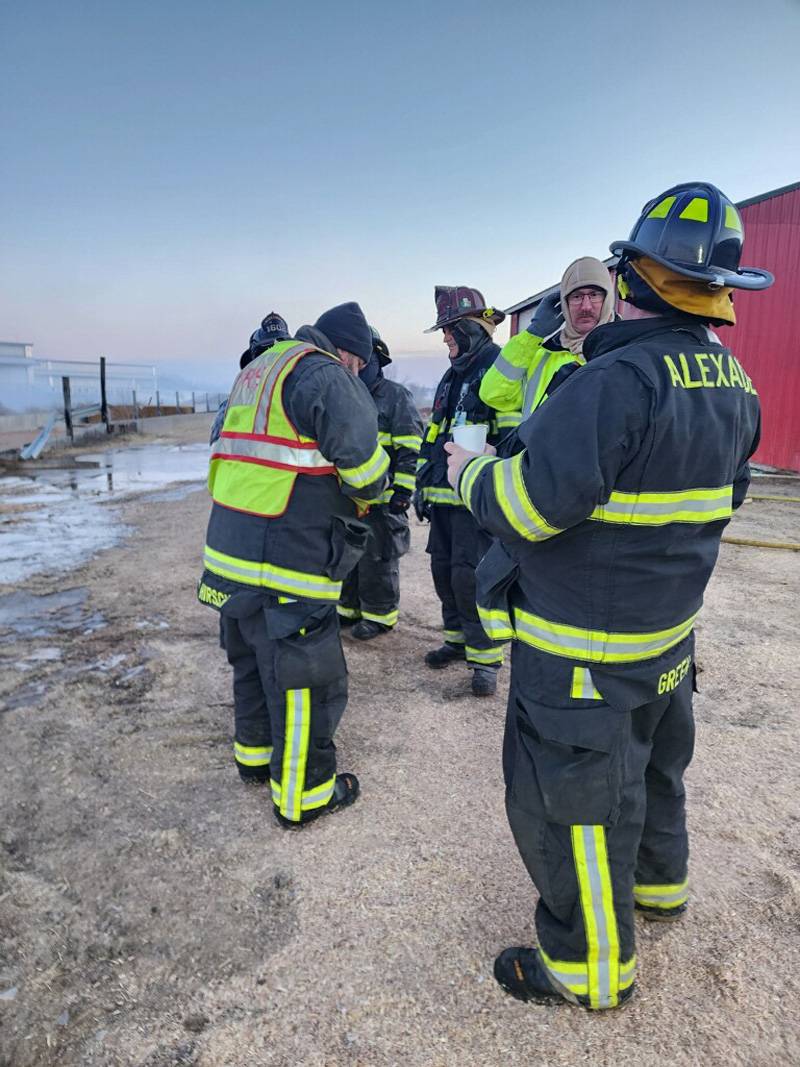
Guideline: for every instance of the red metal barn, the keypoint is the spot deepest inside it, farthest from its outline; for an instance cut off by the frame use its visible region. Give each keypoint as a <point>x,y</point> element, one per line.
<point>766,337</point>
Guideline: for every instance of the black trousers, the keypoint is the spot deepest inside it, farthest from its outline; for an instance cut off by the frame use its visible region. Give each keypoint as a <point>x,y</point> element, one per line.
<point>596,803</point>
<point>372,589</point>
<point>290,691</point>
<point>456,546</point>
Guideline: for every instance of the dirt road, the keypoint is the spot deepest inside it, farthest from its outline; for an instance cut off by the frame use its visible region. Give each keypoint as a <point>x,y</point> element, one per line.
<point>152,913</point>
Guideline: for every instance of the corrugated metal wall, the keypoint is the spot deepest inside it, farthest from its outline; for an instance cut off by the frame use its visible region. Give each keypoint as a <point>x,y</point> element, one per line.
<point>766,337</point>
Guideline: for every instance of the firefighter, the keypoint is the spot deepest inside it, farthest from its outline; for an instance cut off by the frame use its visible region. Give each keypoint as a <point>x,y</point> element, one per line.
<point>536,361</point>
<point>273,328</point>
<point>297,460</point>
<point>371,593</point>
<point>456,544</point>
<point>611,521</point>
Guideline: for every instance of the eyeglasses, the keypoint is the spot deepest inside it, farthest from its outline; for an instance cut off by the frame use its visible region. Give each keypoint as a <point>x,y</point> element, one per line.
<point>594,295</point>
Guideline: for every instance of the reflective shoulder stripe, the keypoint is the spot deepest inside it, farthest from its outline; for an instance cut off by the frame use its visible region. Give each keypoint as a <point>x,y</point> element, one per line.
<point>583,687</point>
<point>466,481</point>
<point>596,646</point>
<point>365,473</point>
<point>279,364</point>
<point>659,509</point>
<point>513,371</point>
<point>516,505</point>
<point>600,920</point>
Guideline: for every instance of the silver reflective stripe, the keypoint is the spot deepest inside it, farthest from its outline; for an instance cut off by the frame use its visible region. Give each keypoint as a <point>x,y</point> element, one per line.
<point>292,778</point>
<point>583,688</point>
<point>692,505</point>
<point>599,913</point>
<point>272,376</point>
<point>525,519</point>
<point>275,577</point>
<point>645,895</point>
<point>508,370</point>
<point>231,445</point>
<point>596,646</point>
<point>532,387</point>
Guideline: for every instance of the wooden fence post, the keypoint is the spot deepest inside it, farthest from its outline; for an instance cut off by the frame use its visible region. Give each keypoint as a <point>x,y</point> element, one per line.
<point>67,408</point>
<point>103,397</point>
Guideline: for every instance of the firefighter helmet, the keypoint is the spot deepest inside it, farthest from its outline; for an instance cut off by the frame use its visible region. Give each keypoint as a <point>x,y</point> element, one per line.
<point>694,230</point>
<point>454,302</point>
<point>380,348</point>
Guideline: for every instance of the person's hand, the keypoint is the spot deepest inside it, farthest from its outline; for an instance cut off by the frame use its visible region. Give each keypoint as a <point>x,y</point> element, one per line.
<point>548,316</point>
<point>457,457</point>
<point>399,504</point>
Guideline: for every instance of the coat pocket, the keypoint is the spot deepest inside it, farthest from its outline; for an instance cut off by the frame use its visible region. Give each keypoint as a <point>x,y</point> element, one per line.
<point>495,577</point>
<point>569,763</point>
<point>348,541</point>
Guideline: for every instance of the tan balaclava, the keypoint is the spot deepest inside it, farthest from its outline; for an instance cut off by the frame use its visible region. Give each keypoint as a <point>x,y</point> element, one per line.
<point>487,324</point>
<point>584,271</point>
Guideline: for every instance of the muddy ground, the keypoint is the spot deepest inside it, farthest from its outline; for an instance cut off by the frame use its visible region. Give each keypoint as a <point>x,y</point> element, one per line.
<point>152,913</point>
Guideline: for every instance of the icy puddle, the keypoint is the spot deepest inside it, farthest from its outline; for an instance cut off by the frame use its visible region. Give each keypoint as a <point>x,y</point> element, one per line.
<point>53,520</point>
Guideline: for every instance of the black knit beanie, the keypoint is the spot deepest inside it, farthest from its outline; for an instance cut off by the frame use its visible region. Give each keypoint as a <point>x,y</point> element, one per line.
<point>347,328</point>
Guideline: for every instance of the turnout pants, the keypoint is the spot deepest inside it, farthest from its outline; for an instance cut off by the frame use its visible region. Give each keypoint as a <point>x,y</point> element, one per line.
<point>596,803</point>
<point>372,589</point>
<point>456,546</point>
<point>289,691</point>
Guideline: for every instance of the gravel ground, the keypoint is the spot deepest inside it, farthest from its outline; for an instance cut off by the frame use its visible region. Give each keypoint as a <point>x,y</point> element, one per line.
<point>152,913</point>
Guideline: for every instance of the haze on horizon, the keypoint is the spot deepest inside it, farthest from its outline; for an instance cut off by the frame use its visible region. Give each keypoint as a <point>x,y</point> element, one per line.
<point>175,171</point>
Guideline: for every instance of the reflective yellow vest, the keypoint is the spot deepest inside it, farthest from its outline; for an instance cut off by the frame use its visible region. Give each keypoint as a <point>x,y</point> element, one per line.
<point>259,453</point>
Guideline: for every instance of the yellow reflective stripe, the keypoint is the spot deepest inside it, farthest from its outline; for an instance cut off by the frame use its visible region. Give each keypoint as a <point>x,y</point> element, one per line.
<point>375,466</point>
<point>596,646</point>
<point>600,920</point>
<point>732,220</point>
<point>384,437</point>
<point>312,798</point>
<point>661,210</point>
<point>250,572</point>
<point>405,481</point>
<point>496,623</point>
<point>295,752</point>
<point>411,440</point>
<point>455,637</point>
<point>252,755</point>
<point>469,474</point>
<point>582,685</point>
<point>484,655</point>
<point>516,505</point>
<point>348,613</point>
<point>436,494</point>
<point>575,976</point>
<point>696,210</point>
<point>389,618</point>
<point>432,432</point>
<point>662,896</point>
<point>659,509</point>
<point>508,419</point>
<point>515,372</point>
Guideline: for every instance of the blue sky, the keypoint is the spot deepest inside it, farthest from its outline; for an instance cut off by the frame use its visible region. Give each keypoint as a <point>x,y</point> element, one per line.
<point>173,171</point>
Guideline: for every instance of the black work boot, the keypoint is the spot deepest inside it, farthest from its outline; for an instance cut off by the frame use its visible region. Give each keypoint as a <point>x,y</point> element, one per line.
<point>661,915</point>
<point>521,973</point>
<point>345,792</point>
<point>366,629</point>
<point>444,656</point>
<point>484,681</point>
<point>346,620</point>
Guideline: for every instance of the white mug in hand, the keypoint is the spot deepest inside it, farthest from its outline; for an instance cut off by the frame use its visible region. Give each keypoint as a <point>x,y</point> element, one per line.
<point>473,438</point>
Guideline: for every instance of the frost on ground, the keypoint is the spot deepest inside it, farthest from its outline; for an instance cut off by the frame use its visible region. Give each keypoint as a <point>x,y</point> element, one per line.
<point>152,913</point>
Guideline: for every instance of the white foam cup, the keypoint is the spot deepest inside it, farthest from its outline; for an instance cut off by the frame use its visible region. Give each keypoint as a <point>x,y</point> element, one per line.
<point>473,438</point>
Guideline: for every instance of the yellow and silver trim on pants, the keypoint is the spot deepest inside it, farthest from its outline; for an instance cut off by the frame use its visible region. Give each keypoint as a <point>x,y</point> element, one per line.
<point>600,921</point>
<point>290,796</point>
<point>252,755</point>
<point>663,897</point>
